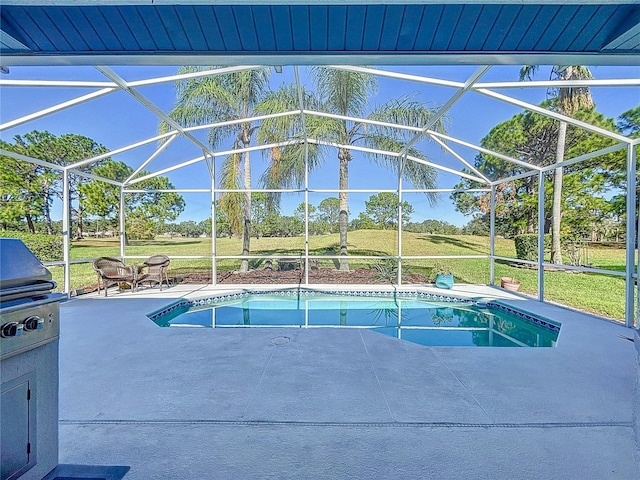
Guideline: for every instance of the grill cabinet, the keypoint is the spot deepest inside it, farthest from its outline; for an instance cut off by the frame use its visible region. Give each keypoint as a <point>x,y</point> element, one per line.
<point>29,331</point>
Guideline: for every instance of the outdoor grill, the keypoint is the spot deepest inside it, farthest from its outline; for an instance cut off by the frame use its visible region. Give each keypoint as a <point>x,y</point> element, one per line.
<point>29,328</point>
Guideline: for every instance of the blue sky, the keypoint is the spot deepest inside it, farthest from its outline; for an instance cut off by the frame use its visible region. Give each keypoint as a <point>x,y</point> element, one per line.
<point>116,120</point>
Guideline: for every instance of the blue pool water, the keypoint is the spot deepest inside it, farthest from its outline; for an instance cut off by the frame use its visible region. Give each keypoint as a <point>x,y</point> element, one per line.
<point>426,321</point>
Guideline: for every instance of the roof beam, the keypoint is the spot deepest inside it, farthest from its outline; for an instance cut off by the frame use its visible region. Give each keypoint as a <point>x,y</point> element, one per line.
<point>361,120</point>
<point>122,149</point>
<point>42,163</point>
<point>431,133</point>
<point>168,169</point>
<point>215,154</point>
<point>554,115</point>
<point>150,159</point>
<point>627,40</point>
<point>55,83</point>
<point>397,155</point>
<point>459,158</point>
<point>241,120</point>
<point>113,76</point>
<point>56,108</point>
<point>614,82</point>
<point>95,177</point>
<point>485,150</point>
<point>447,106</point>
<point>586,156</point>
<point>327,59</point>
<point>7,41</point>
<point>398,76</point>
<point>172,133</point>
<point>187,76</point>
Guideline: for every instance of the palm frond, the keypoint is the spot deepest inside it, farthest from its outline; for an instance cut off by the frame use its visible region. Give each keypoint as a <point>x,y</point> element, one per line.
<point>279,128</point>
<point>218,98</point>
<point>287,169</point>
<point>232,202</point>
<point>419,175</point>
<point>406,112</point>
<point>344,93</point>
<point>217,135</point>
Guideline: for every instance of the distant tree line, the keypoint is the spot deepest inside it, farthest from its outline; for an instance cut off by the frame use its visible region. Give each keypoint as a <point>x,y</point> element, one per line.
<point>381,211</point>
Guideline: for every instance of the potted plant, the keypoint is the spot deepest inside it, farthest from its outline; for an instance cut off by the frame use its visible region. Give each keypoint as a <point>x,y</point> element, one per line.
<point>444,277</point>
<point>510,283</point>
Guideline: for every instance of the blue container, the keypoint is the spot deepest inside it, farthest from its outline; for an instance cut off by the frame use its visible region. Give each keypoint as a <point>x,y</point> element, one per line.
<point>444,281</point>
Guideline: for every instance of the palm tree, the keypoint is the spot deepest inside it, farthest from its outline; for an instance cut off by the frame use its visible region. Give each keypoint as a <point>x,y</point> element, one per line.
<point>567,101</point>
<point>346,94</point>
<point>221,98</point>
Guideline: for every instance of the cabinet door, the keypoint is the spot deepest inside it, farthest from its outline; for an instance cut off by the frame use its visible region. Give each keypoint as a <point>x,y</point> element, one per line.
<point>14,417</point>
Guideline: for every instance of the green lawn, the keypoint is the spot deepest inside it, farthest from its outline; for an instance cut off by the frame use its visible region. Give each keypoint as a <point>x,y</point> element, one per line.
<point>600,294</point>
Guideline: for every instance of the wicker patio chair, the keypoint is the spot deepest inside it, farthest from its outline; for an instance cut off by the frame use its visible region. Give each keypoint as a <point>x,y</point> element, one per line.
<point>113,271</point>
<point>154,270</point>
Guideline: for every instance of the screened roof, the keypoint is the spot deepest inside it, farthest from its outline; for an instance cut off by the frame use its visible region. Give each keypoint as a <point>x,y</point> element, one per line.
<point>251,33</point>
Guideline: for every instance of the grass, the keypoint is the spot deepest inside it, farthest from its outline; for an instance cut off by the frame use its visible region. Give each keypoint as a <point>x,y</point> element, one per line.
<point>600,294</point>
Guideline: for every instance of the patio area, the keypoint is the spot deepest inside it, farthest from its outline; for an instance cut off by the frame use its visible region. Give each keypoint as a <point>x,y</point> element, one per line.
<point>331,403</point>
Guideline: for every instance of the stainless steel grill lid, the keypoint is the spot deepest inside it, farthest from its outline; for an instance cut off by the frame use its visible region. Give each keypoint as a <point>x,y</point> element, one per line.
<point>20,269</point>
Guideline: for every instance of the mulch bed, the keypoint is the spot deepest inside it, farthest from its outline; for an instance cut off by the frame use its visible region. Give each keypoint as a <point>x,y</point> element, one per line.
<point>362,276</point>
<point>316,275</point>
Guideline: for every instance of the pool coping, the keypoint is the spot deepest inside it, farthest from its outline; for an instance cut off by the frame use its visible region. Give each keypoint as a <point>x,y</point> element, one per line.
<point>182,305</point>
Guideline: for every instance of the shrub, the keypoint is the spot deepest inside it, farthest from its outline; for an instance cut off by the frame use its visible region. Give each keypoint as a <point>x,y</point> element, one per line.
<point>527,247</point>
<point>48,248</point>
<point>387,271</point>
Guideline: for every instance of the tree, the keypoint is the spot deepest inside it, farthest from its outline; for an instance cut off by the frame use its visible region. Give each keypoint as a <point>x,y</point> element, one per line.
<point>149,209</point>
<point>299,215</point>
<point>260,210</point>
<point>223,226</point>
<point>567,101</point>
<point>139,226</point>
<point>346,94</point>
<point>222,98</point>
<point>205,226</point>
<point>629,122</point>
<point>160,207</point>
<point>103,199</point>
<point>532,138</point>
<point>362,222</point>
<point>478,225</point>
<point>18,192</point>
<point>433,227</point>
<point>45,184</point>
<point>299,212</point>
<point>383,210</point>
<point>328,212</point>
<point>528,137</point>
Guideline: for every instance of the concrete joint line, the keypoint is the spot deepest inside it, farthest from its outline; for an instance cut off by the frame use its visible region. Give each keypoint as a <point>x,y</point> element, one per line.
<point>267,423</point>
<point>253,393</point>
<point>377,378</point>
<point>463,385</point>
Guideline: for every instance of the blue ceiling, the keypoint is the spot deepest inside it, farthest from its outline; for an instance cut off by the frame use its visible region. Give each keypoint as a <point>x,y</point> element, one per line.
<point>299,32</point>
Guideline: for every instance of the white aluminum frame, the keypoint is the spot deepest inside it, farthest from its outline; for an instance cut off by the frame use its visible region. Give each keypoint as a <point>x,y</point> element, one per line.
<point>472,85</point>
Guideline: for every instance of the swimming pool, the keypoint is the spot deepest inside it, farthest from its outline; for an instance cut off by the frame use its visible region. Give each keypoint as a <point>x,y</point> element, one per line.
<point>419,317</point>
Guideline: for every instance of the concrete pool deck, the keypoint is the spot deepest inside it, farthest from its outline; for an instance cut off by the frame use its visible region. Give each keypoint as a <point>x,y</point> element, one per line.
<point>331,403</point>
